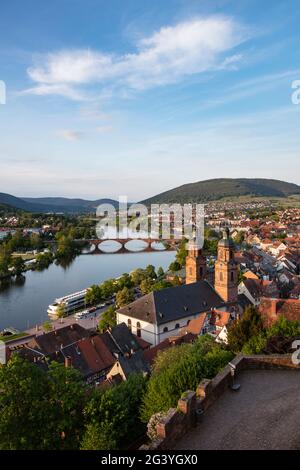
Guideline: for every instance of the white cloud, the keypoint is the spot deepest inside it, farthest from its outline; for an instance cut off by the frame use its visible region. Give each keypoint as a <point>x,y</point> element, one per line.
<point>104,129</point>
<point>169,55</point>
<point>69,134</point>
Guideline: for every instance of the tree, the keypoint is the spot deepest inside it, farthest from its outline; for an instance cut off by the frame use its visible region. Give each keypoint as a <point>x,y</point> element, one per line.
<point>150,272</point>
<point>147,286</point>
<point>61,311</point>
<point>43,260</point>
<point>67,398</point>
<point>47,325</point>
<point>181,253</point>
<point>240,331</point>
<point>124,297</point>
<point>112,415</point>
<point>36,242</point>
<point>40,410</point>
<point>108,288</point>
<point>93,295</point>
<point>239,238</point>
<point>18,264</point>
<point>176,281</point>
<point>5,260</point>
<point>124,281</point>
<point>24,406</point>
<point>162,284</point>
<point>181,368</point>
<point>174,266</point>
<point>108,319</point>
<point>160,272</point>
<point>138,276</point>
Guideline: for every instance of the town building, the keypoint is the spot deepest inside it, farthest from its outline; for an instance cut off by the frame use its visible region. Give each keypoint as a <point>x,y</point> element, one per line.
<point>161,314</point>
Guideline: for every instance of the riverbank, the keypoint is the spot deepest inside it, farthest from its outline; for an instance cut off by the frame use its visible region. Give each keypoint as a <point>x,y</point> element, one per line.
<point>24,304</point>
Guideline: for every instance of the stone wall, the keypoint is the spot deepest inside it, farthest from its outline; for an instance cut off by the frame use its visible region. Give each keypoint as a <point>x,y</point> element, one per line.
<point>192,405</point>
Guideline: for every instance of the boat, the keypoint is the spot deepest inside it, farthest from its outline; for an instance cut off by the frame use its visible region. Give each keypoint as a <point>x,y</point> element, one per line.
<point>71,303</point>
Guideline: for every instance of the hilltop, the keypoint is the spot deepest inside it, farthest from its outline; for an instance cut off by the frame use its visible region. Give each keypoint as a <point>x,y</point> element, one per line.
<point>217,189</point>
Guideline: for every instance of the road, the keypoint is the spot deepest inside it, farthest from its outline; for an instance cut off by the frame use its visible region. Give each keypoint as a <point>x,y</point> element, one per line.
<point>88,323</point>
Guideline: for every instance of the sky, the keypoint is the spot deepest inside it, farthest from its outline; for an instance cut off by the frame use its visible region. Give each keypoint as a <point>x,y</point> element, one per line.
<point>135,97</point>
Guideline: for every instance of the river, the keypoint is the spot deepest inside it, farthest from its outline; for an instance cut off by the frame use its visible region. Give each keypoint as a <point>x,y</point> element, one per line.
<point>24,304</point>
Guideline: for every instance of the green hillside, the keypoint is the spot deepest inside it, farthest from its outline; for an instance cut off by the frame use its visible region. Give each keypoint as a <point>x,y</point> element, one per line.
<point>216,189</point>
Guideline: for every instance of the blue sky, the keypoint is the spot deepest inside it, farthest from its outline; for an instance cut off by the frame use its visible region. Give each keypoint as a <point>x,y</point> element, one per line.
<point>135,97</point>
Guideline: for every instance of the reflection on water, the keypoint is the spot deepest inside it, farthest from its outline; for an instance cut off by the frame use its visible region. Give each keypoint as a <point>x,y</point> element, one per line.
<point>23,303</point>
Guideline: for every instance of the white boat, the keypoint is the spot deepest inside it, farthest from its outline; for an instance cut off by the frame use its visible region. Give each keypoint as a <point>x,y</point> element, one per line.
<point>70,303</point>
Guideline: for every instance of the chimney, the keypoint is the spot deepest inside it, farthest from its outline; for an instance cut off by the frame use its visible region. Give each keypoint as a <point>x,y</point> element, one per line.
<point>68,361</point>
<point>273,307</point>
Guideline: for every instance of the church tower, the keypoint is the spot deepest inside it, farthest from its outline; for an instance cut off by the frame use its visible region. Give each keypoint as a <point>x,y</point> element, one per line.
<point>226,270</point>
<point>195,265</point>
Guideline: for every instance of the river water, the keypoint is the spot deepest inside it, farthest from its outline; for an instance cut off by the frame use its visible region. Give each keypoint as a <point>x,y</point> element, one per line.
<point>24,304</point>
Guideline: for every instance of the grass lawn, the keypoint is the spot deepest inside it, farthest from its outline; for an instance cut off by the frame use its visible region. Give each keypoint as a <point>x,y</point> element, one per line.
<point>25,256</point>
<point>11,337</point>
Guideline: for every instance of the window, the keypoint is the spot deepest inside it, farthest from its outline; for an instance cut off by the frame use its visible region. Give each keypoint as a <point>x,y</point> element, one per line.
<point>231,276</point>
<point>191,271</point>
<point>138,329</point>
<point>201,271</point>
<point>165,329</point>
<point>221,276</point>
<point>177,325</point>
<point>129,324</point>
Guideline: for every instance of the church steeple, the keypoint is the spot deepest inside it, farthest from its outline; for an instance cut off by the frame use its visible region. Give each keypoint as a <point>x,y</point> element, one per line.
<point>195,263</point>
<point>226,270</point>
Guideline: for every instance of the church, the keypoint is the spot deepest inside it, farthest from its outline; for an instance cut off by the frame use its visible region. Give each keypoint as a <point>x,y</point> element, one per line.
<point>161,314</point>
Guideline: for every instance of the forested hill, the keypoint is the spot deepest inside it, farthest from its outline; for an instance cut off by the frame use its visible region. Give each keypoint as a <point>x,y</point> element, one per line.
<point>216,189</point>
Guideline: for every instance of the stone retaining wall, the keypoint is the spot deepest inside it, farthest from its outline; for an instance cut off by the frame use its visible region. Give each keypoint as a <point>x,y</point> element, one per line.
<point>193,404</point>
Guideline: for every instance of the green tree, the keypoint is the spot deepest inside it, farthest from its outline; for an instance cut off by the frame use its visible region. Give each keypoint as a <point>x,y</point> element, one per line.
<point>93,295</point>
<point>112,415</point>
<point>181,253</point>
<point>108,319</point>
<point>124,281</point>
<point>240,331</point>
<point>18,264</point>
<point>108,288</point>
<point>61,311</point>
<point>160,272</point>
<point>239,238</point>
<point>43,260</point>
<point>174,266</point>
<point>138,276</point>
<point>124,297</point>
<point>146,286</point>
<point>5,260</point>
<point>47,325</point>
<point>150,271</point>
<point>25,409</point>
<point>67,398</point>
<point>181,368</point>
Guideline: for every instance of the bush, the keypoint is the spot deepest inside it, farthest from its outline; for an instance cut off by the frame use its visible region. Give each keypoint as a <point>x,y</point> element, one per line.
<point>112,415</point>
<point>179,369</point>
<point>240,331</point>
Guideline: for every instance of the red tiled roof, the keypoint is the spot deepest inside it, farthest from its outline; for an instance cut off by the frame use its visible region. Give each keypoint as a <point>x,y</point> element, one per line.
<point>96,354</point>
<point>143,344</point>
<point>272,309</point>
<point>220,318</point>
